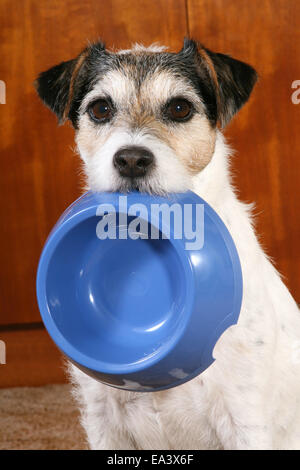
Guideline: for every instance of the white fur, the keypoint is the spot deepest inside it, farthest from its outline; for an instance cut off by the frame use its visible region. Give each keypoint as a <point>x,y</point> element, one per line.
<point>249,397</point>
<point>155,47</point>
<point>101,175</point>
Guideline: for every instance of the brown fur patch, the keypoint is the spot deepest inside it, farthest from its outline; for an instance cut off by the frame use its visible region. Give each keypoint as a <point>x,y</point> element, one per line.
<point>212,73</point>
<point>193,143</point>
<point>75,72</point>
<point>89,140</point>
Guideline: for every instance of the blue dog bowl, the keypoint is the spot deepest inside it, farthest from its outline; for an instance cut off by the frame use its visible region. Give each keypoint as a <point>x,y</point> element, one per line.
<point>136,289</point>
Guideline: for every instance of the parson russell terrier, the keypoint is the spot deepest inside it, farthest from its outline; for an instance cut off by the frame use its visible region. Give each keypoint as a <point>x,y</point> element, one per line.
<point>150,120</point>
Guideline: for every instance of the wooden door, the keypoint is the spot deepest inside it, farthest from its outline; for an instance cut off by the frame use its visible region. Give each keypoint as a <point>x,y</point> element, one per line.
<point>39,170</point>
<point>39,174</point>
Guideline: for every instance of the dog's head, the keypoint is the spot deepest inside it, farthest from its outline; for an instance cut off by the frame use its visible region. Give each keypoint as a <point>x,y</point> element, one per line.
<point>145,118</point>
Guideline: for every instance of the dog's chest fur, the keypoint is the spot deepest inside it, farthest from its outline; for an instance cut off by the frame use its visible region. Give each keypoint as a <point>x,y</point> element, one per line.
<point>249,397</point>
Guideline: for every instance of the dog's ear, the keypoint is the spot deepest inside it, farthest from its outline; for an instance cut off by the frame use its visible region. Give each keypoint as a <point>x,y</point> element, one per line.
<point>236,80</point>
<point>53,87</point>
<point>232,79</point>
<point>59,87</point>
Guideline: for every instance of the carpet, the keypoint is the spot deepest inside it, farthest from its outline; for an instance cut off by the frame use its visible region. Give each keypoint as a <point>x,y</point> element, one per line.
<point>39,418</point>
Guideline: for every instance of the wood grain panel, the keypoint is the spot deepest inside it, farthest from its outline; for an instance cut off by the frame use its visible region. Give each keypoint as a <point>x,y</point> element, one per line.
<point>266,34</point>
<point>32,359</point>
<point>39,174</point>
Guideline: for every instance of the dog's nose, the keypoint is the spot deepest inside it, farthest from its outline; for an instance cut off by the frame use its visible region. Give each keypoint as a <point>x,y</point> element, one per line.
<point>133,161</point>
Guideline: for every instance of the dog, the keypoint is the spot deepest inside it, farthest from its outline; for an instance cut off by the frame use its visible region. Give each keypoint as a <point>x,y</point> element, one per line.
<point>151,120</point>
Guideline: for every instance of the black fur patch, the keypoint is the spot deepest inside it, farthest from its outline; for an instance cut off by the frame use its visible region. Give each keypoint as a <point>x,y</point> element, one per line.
<point>64,86</point>
<point>236,81</point>
<point>53,86</point>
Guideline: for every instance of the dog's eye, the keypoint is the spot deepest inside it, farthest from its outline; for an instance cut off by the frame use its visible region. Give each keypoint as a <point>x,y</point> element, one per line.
<point>101,110</point>
<point>179,109</point>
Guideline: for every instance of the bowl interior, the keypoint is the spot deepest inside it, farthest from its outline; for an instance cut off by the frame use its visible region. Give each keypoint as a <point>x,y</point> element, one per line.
<point>116,301</point>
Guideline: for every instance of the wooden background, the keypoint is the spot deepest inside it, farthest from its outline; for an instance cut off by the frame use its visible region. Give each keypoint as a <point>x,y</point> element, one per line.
<point>40,173</point>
